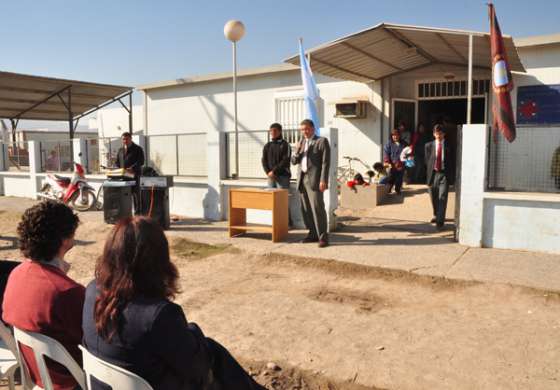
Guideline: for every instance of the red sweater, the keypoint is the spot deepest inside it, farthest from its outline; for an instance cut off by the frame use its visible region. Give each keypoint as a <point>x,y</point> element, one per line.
<point>41,298</point>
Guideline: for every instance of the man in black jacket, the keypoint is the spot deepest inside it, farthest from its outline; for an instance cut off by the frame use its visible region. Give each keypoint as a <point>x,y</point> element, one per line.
<point>131,157</point>
<point>440,164</point>
<point>276,159</point>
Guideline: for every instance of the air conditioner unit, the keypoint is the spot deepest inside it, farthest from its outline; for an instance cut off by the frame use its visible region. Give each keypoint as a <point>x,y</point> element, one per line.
<point>351,109</point>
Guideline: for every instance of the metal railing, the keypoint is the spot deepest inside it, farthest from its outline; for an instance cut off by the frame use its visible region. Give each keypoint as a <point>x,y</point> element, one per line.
<point>101,152</point>
<point>531,163</point>
<point>16,156</point>
<point>178,154</point>
<point>251,145</point>
<point>56,156</point>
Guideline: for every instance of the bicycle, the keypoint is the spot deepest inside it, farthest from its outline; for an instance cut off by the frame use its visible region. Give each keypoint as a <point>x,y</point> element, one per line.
<point>347,172</point>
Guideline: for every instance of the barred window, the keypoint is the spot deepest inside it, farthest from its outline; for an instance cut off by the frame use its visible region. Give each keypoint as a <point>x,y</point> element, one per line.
<point>452,89</point>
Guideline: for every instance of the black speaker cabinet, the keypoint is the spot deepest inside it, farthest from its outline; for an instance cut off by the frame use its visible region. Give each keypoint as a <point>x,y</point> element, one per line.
<point>154,202</point>
<point>117,202</point>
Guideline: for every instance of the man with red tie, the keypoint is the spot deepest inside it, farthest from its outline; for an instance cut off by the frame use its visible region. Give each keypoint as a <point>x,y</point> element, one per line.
<point>440,164</point>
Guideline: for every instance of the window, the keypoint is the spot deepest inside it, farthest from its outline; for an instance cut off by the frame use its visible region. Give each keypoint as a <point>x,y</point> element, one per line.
<point>290,110</point>
<point>442,89</point>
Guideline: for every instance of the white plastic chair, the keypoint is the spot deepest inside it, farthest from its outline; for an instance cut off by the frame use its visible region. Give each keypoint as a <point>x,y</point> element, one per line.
<point>45,346</point>
<point>8,356</point>
<point>116,377</point>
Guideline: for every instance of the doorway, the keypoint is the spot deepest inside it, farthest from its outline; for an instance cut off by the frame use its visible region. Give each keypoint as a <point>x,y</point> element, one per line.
<point>451,113</point>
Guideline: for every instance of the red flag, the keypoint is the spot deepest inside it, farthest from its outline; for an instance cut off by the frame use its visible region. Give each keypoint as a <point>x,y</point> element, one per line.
<point>502,81</point>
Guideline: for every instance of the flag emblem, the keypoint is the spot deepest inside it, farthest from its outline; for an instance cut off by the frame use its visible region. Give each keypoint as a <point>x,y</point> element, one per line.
<point>500,74</point>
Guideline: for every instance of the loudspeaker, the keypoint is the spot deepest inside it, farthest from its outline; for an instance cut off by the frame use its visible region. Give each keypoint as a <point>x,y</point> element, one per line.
<point>117,203</point>
<point>154,203</point>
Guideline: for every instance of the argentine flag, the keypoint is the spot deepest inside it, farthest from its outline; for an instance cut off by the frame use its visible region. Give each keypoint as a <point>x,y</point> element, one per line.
<point>310,89</point>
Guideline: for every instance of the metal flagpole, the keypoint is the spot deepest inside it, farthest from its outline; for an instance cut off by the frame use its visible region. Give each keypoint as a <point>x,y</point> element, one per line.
<point>235,108</point>
<point>470,80</point>
<point>234,31</point>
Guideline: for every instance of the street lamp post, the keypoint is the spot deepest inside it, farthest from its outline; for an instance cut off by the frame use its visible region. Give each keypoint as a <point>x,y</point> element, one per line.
<point>234,31</point>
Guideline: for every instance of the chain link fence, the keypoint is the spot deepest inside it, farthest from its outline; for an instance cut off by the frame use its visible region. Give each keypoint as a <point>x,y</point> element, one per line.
<point>251,145</point>
<point>101,152</point>
<point>16,156</point>
<point>531,163</point>
<point>56,156</point>
<point>178,154</point>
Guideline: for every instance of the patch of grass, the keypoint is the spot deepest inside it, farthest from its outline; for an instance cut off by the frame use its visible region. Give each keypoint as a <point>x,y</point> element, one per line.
<point>193,250</point>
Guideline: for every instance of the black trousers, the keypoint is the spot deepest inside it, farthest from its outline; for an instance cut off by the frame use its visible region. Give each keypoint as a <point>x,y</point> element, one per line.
<point>227,373</point>
<point>439,190</point>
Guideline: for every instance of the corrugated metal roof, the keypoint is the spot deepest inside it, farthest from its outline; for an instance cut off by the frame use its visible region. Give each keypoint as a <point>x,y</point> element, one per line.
<point>20,95</point>
<point>388,49</point>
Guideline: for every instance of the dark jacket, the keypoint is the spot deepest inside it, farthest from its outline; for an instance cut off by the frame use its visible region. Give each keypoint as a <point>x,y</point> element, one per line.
<point>155,342</point>
<point>448,161</point>
<point>276,157</point>
<point>318,161</point>
<point>392,152</point>
<point>134,158</point>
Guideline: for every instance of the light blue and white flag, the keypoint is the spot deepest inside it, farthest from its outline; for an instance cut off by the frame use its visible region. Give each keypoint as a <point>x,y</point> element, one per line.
<point>311,94</point>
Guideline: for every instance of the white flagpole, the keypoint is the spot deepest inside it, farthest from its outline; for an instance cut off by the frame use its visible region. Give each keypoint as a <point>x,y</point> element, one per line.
<point>470,80</point>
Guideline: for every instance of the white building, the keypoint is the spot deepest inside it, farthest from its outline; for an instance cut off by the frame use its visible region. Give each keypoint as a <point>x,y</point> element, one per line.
<point>402,73</point>
<point>508,194</point>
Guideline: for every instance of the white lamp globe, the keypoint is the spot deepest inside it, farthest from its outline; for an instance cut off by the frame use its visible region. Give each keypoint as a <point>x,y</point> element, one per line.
<point>234,30</point>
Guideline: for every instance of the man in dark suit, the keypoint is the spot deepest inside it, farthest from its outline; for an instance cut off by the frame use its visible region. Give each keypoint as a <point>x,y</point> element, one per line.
<point>440,166</point>
<point>131,157</point>
<point>313,159</point>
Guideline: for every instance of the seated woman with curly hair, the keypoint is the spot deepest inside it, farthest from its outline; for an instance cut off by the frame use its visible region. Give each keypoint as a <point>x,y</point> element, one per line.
<point>39,297</point>
<point>130,321</point>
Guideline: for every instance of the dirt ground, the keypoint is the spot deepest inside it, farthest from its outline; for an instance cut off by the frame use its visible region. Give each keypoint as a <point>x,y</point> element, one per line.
<point>326,324</point>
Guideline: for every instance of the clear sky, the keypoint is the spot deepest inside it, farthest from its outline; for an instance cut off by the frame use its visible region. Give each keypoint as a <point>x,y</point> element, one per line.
<point>132,42</point>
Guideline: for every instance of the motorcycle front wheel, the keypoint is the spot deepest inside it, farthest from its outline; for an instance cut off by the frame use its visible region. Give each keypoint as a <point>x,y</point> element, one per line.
<point>83,201</point>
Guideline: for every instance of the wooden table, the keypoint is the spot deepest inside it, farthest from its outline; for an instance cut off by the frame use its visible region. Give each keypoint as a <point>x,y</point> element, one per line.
<point>276,200</point>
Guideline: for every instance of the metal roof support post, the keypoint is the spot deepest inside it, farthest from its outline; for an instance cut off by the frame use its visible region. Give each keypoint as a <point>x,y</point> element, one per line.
<point>14,123</point>
<point>470,80</point>
<point>70,116</point>
<point>130,113</point>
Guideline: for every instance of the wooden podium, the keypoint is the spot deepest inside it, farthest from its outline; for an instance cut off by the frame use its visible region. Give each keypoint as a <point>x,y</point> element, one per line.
<point>276,200</point>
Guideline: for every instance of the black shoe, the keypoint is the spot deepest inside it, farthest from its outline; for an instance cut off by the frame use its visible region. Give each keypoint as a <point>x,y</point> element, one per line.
<point>398,192</point>
<point>439,226</point>
<point>433,220</point>
<point>309,239</point>
<point>323,243</point>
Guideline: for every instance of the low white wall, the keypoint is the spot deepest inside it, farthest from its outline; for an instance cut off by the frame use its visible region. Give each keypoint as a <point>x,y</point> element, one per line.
<point>507,220</point>
<point>16,184</point>
<point>188,197</point>
<point>522,221</point>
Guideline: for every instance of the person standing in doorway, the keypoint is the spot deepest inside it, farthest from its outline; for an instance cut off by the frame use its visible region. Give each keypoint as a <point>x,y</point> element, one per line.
<point>440,167</point>
<point>276,159</point>
<point>392,159</point>
<point>131,157</point>
<point>403,131</point>
<point>313,157</point>
<point>419,140</point>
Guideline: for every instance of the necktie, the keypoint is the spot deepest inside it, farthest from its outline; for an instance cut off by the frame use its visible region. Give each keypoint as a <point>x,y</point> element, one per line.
<point>304,159</point>
<point>438,156</point>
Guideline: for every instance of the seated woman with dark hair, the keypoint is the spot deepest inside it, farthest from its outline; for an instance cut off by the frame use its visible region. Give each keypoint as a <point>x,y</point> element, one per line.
<point>129,320</point>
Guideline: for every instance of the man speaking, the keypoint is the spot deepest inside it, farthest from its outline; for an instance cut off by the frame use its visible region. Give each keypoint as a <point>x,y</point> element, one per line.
<point>313,157</point>
<point>131,157</point>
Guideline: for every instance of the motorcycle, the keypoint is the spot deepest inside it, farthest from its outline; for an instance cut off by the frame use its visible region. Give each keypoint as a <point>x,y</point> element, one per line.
<point>75,191</point>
